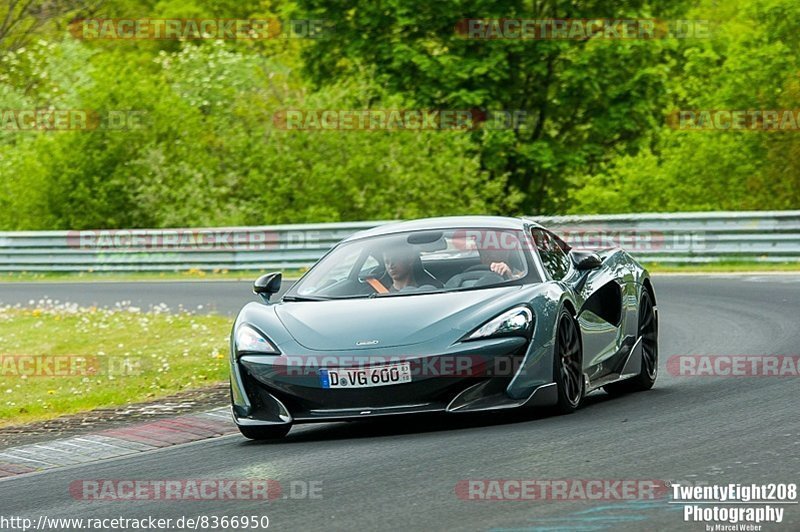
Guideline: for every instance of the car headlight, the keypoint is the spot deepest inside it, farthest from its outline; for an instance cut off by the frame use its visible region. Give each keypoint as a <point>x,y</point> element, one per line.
<point>249,340</point>
<point>516,321</point>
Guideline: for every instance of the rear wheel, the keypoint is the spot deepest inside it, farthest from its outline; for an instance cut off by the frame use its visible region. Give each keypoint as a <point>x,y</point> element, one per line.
<point>648,333</point>
<point>568,365</point>
<point>269,432</point>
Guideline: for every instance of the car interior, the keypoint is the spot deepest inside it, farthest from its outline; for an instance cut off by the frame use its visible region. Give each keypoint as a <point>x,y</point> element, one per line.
<point>438,263</point>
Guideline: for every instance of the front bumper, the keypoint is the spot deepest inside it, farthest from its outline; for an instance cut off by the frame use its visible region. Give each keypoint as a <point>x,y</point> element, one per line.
<point>268,390</point>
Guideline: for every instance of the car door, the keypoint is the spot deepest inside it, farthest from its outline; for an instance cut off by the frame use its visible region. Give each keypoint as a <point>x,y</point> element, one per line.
<point>599,298</point>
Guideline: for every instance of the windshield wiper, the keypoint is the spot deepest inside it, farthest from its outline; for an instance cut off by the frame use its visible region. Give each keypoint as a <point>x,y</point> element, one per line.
<point>409,293</point>
<point>305,298</point>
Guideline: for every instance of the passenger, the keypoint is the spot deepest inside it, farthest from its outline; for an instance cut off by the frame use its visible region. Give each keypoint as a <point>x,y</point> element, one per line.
<point>498,261</point>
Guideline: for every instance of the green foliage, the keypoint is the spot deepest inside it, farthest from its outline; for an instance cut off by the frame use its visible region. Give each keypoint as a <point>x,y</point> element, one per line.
<point>208,153</point>
<point>586,100</point>
<point>751,63</point>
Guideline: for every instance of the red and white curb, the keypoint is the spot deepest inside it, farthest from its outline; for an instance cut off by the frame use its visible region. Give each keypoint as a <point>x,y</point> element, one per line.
<point>115,442</point>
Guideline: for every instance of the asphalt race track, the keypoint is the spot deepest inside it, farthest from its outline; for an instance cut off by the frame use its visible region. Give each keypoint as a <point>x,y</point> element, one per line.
<point>402,474</point>
<point>225,297</point>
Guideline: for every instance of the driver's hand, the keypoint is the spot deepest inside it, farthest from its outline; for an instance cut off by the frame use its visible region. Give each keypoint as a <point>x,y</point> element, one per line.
<point>501,268</point>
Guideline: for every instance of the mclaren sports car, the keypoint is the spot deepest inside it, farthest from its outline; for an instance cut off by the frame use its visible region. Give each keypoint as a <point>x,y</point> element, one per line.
<point>449,315</point>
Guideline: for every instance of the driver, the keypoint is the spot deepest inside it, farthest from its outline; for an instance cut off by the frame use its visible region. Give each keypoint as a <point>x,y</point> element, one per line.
<point>399,262</point>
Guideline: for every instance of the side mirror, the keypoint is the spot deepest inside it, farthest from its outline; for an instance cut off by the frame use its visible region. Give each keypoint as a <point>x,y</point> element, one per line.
<point>268,284</point>
<point>586,260</point>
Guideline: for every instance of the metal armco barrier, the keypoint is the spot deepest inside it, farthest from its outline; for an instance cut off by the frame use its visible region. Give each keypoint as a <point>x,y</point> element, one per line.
<point>665,238</point>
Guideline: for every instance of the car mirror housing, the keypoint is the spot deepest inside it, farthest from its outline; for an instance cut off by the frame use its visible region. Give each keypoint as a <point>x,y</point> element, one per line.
<point>268,284</point>
<point>585,260</point>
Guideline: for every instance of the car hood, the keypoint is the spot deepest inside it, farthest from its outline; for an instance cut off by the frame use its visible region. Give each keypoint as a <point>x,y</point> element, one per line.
<point>353,324</point>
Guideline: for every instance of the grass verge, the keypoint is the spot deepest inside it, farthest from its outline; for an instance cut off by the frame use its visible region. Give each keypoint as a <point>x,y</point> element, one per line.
<point>65,359</point>
<point>724,267</point>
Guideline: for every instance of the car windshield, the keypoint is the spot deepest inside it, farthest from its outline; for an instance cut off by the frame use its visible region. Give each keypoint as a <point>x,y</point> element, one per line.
<point>417,262</point>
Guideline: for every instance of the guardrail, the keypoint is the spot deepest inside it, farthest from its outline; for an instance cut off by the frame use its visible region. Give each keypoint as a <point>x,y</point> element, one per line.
<point>666,238</point>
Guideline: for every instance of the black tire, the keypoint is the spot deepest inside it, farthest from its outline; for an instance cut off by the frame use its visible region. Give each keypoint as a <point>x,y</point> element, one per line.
<point>568,365</point>
<point>648,332</point>
<point>269,432</point>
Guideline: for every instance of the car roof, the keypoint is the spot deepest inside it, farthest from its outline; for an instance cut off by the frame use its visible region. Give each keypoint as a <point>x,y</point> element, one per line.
<point>446,222</point>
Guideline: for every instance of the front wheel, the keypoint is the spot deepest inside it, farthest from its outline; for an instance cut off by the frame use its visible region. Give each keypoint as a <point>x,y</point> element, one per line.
<point>568,365</point>
<point>648,334</point>
<point>267,432</point>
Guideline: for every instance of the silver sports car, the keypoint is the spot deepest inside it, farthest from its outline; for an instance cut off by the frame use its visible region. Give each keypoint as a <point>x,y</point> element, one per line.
<point>451,315</point>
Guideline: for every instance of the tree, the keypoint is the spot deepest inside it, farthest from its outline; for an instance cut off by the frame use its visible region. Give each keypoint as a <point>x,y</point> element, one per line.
<point>751,63</point>
<point>587,99</point>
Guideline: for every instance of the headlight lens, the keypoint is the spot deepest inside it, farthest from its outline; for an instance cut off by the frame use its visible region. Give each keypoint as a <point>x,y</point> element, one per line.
<point>249,340</point>
<point>515,321</point>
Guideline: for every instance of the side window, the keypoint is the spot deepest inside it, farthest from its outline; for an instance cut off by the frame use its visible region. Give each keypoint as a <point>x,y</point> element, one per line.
<point>370,264</point>
<point>560,243</point>
<point>552,250</point>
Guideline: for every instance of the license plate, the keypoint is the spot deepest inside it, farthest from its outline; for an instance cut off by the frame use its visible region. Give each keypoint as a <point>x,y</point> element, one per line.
<point>365,377</point>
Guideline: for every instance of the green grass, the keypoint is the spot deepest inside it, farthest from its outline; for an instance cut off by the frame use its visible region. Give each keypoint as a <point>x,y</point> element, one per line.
<point>724,267</point>
<point>132,356</point>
